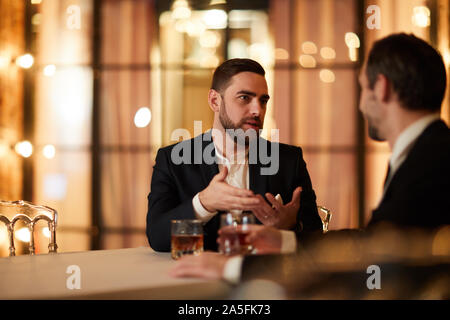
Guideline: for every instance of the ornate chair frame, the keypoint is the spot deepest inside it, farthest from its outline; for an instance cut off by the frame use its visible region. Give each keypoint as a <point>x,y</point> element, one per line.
<point>52,222</point>
<point>326,219</point>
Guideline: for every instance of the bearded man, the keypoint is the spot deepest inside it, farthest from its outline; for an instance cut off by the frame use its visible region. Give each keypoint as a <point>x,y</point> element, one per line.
<point>230,167</point>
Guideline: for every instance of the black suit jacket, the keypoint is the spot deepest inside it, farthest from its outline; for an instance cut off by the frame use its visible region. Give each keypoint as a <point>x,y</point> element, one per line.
<point>419,192</point>
<point>174,186</point>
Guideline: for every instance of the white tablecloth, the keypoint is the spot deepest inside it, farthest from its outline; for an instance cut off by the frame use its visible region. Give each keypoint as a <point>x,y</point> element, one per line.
<point>137,273</point>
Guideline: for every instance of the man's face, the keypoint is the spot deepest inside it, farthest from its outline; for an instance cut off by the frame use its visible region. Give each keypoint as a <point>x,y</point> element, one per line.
<point>370,106</point>
<point>244,102</point>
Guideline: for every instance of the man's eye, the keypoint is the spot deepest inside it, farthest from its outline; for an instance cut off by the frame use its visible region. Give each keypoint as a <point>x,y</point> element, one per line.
<point>243,98</point>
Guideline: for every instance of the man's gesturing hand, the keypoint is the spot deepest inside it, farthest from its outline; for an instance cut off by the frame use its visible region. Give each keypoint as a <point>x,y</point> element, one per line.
<point>278,215</point>
<point>219,195</point>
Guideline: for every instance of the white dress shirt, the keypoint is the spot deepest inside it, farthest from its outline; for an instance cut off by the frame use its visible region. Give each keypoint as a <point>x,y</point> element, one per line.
<point>238,177</point>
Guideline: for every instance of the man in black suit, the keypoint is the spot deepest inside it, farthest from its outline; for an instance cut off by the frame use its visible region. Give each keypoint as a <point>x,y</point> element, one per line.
<point>402,88</point>
<point>231,167</point>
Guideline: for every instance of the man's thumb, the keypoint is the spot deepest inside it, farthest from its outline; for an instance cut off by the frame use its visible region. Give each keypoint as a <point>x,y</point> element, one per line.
<point>222,174</point>
<point>296,195</point>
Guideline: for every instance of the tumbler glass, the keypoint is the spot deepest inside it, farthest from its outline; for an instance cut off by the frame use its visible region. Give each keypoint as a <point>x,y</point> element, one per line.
<point>187,237</point>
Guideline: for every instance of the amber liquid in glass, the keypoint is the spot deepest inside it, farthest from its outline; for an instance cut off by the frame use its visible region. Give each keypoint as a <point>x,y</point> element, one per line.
<point>233,241</point>
<point>186,244</point>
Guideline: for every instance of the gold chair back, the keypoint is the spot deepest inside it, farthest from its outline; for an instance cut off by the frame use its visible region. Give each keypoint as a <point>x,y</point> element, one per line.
<point>13,211</point>
<point>325,214</point>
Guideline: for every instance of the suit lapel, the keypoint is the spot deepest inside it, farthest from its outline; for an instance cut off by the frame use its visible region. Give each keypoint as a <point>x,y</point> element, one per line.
<point>414,154</point>
<point>258,182</point>
<point>413,160</point>
<point>208,170</point>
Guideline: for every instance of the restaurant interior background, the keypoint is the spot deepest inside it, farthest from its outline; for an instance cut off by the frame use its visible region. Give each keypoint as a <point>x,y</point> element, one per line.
<point>90,89</point>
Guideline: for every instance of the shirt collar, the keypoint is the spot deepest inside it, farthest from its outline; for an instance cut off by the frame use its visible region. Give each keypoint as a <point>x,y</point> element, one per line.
<point>239,157</point>
<point>409,135</point>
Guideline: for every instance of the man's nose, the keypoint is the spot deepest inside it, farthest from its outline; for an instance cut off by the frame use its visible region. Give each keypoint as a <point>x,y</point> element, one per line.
<point>256,108</point>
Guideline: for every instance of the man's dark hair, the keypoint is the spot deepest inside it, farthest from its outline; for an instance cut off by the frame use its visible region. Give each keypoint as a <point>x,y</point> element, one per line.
<point>413,67</point>
<point>224,72</point>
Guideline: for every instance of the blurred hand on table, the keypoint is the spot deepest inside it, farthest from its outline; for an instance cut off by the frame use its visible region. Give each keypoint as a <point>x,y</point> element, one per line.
<point>208,265</point>
<point>264,240</point>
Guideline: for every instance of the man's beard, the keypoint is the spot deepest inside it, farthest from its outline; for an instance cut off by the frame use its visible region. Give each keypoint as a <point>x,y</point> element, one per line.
<point>373,130</point>
<point>236,128</point>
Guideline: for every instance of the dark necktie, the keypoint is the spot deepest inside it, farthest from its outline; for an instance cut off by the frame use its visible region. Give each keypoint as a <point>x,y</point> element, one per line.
<point>387,175</point>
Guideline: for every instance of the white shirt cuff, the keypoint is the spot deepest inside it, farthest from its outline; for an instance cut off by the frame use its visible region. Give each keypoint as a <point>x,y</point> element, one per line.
<point>288,241</point>
<point>200,211</point>
<point>232,269</point>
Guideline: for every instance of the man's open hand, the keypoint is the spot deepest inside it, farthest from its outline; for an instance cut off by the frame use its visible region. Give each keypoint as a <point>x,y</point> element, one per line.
<point>219,195</point>
<point>278,215</point>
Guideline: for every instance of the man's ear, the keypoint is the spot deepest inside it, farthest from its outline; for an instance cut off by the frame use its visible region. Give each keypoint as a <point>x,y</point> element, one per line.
<point>214,100</point>
<point>383,88</point>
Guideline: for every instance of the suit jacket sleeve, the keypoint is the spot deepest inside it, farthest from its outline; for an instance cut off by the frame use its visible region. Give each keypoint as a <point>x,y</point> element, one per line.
<point>164,204</point>
<point>308,217</point>
<point>283,268</point>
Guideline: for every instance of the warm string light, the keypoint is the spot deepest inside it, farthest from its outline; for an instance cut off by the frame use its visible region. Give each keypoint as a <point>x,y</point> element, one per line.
<point>328,53</point>
<point>181,10</point>
<point>215,19</point>
<point>142,117</point>
<point>200,25</point>
<point>210,39</point>
<point>281,54</point>
<point>49,70</point>
<point>36,19</point>
<point>24,234</point>
<point>353,43</point>
<point>195,27</point>
<point>25,149</point>
<point>327,76</point>
<point>49,151</point>
<point>421,16</point>
<point>25,61</point>
<point>195,24</point>
<point>308,61</point>
<point>309,47</point>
